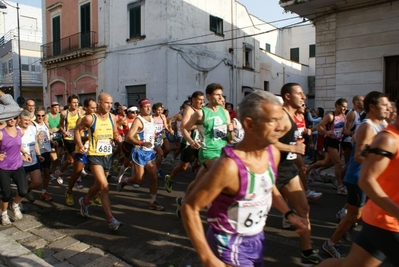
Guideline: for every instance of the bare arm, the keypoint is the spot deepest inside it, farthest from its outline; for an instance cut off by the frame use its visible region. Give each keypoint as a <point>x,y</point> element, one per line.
<point>117,137</point>
<point>348,123</point>
<point>364,136</point>
<point>321,127</point>
<point>194,119</point>
<point>81,125</point>
<point>62,124</point>
<point>230,128</point>
<point>206,190</point>
<point>372,167</point>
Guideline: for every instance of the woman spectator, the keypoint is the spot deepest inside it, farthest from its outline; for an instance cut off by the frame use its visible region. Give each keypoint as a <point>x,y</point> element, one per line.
<point>11,161</point>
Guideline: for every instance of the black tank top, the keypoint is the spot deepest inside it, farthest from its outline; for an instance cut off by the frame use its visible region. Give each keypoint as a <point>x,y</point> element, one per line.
<point>289,139</point>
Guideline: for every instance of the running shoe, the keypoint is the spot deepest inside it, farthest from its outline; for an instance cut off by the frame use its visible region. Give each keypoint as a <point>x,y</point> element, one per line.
<point>342,190</point>
<point>58,174</point>
<point>168,183</point>
<point>311,260</point>
<point>96,201</point>
<point>334,251</point>
<point>136,185</point>
<point>335,184</point>
<point>160,174</point>
<point>84,173</point>
<point>155,206</point>
<point>17,213</point>
<point>30,197</point>
<point>341,214</point>
<point>313,195</point>
<point>179,201</point>
<point>78,184</point>
<point>84,209</point>
<point>114,224</point>
<point>5,220</point>
<point>69,198</point>
<point>46,196</point>
<point>121,185</point>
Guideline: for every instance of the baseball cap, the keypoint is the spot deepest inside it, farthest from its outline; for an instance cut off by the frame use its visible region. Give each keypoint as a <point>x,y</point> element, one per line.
<point>132,109</point>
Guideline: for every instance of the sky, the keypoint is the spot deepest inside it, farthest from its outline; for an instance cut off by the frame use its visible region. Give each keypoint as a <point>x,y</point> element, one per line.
<point>267,10</point>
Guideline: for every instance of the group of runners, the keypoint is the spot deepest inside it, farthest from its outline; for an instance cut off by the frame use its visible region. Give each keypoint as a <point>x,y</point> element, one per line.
<point>260,151</point>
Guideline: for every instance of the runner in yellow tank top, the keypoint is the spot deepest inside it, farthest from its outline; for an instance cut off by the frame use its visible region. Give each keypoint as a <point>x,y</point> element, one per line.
<point>67,126</point>
<point>102,131</point>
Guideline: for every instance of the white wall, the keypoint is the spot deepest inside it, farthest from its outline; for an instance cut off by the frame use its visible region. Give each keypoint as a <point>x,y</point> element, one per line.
<point>180,54</point>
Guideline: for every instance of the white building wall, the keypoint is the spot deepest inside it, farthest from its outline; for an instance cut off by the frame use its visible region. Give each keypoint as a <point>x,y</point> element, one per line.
<point>351,50</point>
<point>180,54</point>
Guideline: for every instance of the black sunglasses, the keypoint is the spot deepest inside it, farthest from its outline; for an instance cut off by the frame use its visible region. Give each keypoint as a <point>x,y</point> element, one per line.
<point>134,112</point>
<point>39,115</point>
<point>15,118</point>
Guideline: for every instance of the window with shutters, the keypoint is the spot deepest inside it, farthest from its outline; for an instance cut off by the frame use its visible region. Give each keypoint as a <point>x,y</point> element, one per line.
<point>56,31</point>
<point>294,54</point>
<point>312,50</point>
<point>248,56</point>
<point>268,48</point>
<point>134,10</point>
<point>216,25</point>
<point>85,25</point>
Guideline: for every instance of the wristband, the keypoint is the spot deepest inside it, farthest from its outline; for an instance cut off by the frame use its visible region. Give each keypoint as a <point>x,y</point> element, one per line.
<point>288,213</point>
<point>141,143</point>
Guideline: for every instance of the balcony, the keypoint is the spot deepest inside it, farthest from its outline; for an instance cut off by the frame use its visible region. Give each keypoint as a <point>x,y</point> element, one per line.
<point>307,8</point>
<point>74,46</point>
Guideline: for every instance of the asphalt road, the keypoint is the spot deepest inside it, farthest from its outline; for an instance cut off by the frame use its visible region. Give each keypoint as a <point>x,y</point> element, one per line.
<point>157,238</point>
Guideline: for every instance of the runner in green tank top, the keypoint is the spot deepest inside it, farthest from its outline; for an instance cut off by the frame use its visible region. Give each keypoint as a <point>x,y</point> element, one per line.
<point>215,130</point>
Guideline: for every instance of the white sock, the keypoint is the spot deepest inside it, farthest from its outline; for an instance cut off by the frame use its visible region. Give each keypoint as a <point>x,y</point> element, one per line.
<point>44,191</point>
<point>153,197</point>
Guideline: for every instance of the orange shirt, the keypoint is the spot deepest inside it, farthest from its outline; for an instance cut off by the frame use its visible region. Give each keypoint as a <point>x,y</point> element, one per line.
<point>389,182</point>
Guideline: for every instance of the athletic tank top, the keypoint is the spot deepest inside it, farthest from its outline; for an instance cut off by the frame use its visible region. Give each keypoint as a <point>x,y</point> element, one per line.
<point>158,124</point>
<point>28,143</point>
<point>101,134</point>
<point>70,124</point>
<point>53,122</point>
<point>389,182</point>
<point>246,212</point>
<point>352,174</point>
<point>290,138</point>
<point>44,144</point>
<point>213,131</point>
<point>147,134</point>
<point>301,125</point>
<point>337,126</point>
<point>12,147</point>
<point>355,124</point>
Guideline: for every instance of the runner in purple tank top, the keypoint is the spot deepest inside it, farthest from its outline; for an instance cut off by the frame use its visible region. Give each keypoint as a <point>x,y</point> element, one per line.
<point>11,156</point>
<point>238,206</point>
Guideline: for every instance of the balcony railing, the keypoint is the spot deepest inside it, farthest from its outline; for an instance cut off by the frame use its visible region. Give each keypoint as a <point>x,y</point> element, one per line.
<point>69,44</point>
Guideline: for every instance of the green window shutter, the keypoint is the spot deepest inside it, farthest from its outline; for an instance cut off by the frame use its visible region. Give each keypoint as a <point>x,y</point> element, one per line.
<point>294,54</point>
<point>135,21</point>
<point>312,50</point>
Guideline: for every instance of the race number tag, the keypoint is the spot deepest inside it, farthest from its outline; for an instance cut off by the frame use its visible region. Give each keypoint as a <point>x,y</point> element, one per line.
<point>71,133</point>
<point>158,128</point>
<point>104,146</point>
<point>252,216</point>
<point>219,132</point>
<point>338,133</point>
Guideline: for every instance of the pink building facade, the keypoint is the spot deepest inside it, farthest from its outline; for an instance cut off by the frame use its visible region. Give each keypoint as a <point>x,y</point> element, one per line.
<point>71,54</point>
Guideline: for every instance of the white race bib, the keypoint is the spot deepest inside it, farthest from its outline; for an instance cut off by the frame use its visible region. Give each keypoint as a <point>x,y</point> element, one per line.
<point>252,216</point>
<point>219,132</point>
<point>104,146</point>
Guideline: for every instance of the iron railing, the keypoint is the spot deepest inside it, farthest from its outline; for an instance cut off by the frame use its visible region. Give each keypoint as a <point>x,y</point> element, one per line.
<point>69,44</point>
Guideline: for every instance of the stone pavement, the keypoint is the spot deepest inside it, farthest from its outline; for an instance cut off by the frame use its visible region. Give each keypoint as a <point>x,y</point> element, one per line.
<point>29,243</point>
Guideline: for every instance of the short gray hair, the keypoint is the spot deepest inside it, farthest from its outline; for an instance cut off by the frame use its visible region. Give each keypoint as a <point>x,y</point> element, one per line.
<point>250,105</point>
<point>24,113</point>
